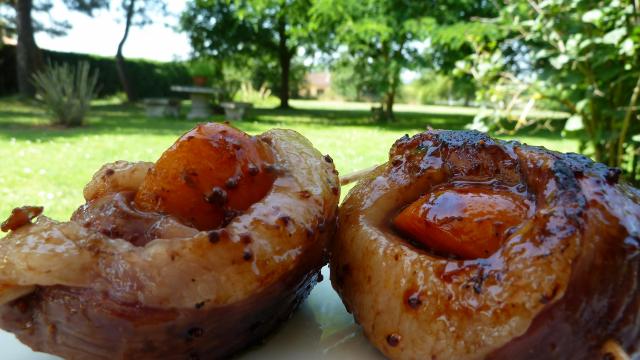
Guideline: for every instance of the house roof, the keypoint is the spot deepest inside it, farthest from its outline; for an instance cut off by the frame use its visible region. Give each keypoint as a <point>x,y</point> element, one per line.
<point>319,79</point>
<point>7,40</point>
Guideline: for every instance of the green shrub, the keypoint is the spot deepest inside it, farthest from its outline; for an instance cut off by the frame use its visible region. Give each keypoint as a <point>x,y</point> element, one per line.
<point>67,92</point>
<point>203,67</point>
<point>148,78</point>
<point>261,97</point>
<point>434,87</point>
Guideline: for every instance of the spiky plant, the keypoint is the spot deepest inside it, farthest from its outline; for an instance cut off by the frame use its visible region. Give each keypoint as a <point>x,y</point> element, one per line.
<point>66,91</point>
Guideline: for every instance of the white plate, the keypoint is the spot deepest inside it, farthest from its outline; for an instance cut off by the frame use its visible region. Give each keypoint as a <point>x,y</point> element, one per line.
<point>320,329</point>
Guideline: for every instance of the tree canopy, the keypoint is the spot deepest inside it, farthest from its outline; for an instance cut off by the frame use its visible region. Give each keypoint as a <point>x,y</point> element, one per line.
<point>135,13</point>
<point>17,18</point>
<point>582,55</point>
<point>377,38</point>
<point>380,38</point>
<point>266,31</point>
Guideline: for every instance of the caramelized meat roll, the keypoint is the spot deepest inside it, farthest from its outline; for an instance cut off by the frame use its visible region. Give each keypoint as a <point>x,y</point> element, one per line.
<point>195,256</point>
<point>466,247</point>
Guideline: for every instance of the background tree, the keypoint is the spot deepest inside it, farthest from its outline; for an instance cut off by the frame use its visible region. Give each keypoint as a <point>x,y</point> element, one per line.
<point>584,56</point>
<point>383,37</point>
<point>343,73</point>
<point>266,30</point>
<point>436,87</point>
<point>375,37</point>
<point>20,20</point>
<point>27,54</point>
<point>136,13</point>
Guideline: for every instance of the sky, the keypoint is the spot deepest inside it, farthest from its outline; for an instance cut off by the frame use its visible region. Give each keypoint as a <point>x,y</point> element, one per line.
<point>101,34</point>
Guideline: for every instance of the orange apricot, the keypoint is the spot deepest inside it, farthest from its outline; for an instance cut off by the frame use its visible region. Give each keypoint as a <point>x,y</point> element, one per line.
<point>469,223</point>
<point>209,175</point>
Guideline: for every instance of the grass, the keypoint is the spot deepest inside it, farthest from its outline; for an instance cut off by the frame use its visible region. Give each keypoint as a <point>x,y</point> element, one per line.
<point>49,166</point>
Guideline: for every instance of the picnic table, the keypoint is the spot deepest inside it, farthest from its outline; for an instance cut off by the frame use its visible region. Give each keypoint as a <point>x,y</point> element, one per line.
<point>200,96</point>
<point>162,107</point>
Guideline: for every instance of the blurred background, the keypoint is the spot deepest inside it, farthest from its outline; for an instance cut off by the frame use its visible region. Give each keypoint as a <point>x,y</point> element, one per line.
<point>85,82</point>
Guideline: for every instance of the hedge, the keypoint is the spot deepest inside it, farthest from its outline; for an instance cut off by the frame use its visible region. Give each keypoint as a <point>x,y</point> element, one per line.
<point>148,78</point>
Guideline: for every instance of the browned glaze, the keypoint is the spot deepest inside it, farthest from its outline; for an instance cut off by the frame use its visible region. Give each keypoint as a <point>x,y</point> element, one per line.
<point>20,217</point>
<point>469,220</point>
<point>208,176</point>
<point>561,283</point>
<point>121,282</point>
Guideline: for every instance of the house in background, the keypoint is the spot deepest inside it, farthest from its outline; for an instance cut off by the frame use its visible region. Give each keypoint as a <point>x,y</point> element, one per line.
<point>6,40</point>
<point>316,84</point>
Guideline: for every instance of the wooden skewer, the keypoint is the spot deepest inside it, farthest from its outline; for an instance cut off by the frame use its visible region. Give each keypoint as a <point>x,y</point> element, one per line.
<point>356,175</point>
<point>613,348</point>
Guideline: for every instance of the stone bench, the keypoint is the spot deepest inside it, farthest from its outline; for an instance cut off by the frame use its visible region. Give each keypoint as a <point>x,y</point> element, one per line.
<point>162,107</point>
<point>235,110</point>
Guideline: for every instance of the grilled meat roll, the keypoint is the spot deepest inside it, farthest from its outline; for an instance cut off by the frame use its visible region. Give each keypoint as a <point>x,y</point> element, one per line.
<point>195,256</point>
<point>466,247</point>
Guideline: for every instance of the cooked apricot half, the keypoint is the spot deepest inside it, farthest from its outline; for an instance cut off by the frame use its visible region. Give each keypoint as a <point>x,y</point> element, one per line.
<point>465,222</point>
<point>209,175</point>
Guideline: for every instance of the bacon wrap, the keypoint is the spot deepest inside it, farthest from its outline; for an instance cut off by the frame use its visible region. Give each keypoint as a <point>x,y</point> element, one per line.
<point>186,294</point>
<point>562,284</point>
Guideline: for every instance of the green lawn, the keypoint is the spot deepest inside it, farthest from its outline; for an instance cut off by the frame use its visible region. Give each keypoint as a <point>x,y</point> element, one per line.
<point>43,165</point>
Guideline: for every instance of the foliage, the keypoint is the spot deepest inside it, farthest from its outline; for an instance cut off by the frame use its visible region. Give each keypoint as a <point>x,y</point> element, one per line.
<point>203,67</point>
<point>582,54</point>
<point>135,13</point>
<point>258,97</point>
<point>343,73</point>
<point>152,79</point>
<point>5,28</point>
<point>503,89</point>
<point>142,11</point>
<point>255,33</point>
<point>380,38</point>
<point>53,27</point>
<point>434,87</point>
<point>263,72</point>
<point>18,14</point>
<point>454,40</point>
<point>228,81</point>
<point>364,79</point>
<point>66,92</point>
<point>374,37</point>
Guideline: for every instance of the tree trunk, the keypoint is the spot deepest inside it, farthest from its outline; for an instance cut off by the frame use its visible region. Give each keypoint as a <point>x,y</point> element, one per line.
<point>27,53</point>
<point>387,106</point>
<point>390,96</point>
<point>120,63</point>
<point>285,56</point>
<point>467,99</point>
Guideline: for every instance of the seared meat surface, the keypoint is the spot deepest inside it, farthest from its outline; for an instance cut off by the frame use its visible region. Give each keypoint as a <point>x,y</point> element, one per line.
<point>466,247</point>
<point>157,264</point>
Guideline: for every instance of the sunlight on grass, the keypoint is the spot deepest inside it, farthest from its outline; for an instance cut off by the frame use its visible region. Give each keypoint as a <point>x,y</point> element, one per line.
<point>49,166</point>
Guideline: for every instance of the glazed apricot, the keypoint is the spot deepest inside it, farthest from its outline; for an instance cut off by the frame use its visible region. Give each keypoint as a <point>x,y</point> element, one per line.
<point>468,223</point>
<point>209,175</point>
